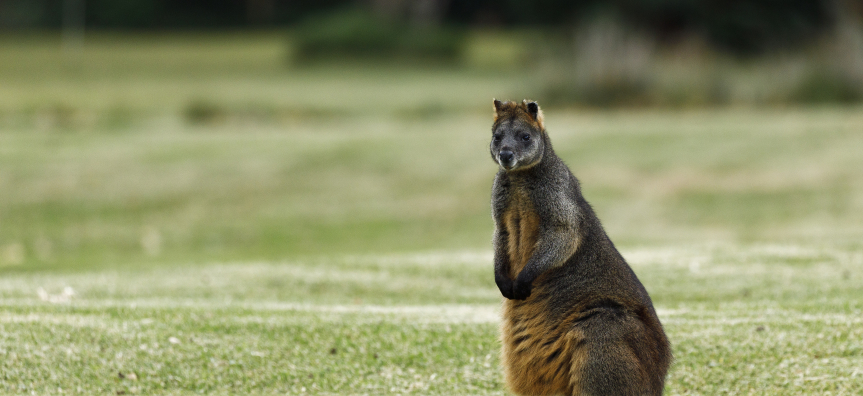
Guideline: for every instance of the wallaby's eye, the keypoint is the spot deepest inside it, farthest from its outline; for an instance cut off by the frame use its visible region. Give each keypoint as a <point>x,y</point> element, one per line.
<point>525,137</point>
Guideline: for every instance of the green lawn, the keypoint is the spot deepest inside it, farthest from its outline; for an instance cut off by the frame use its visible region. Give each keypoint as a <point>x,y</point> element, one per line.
<point>187,214</point>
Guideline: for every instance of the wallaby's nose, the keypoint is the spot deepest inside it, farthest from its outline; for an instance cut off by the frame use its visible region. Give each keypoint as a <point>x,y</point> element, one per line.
<point>506,156</point>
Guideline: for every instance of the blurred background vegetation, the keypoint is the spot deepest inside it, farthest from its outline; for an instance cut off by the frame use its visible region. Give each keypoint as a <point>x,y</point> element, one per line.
<point>152,131</point>
<point>596,53</point>
<point>261,196</point>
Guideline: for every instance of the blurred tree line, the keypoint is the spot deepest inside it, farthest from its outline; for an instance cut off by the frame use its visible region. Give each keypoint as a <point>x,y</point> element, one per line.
<point>740,26</point>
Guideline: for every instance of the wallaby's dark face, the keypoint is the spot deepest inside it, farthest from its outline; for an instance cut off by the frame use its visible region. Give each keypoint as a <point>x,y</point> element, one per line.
<point>516,140</point>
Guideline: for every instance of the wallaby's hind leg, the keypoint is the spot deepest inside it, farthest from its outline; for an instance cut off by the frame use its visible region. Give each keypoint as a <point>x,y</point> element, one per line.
<point>608,369</point>
<point>616,359</point>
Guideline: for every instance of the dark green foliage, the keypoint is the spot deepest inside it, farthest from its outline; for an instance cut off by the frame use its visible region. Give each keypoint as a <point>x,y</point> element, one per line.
<point>360,34</point>
<point>128,13</point>
<point>748,27</point>
<point>203,112</point>
<point>136,14</point>
<point>741,27</point>
<point>824,87</point>
<point>601,94</point>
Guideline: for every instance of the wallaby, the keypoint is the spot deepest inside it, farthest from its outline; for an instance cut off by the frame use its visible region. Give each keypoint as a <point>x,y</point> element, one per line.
<point>576,319</point>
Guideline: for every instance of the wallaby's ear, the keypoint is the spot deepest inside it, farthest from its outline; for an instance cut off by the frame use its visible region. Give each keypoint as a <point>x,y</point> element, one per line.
<point>533,109</point>
<point>497,106</point>
<point>535,112</point>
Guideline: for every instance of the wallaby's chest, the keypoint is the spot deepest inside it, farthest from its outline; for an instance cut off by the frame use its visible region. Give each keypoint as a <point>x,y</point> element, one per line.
<point>521,223</point>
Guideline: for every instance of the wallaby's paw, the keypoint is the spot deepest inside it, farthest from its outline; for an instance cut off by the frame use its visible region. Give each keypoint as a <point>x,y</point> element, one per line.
<point>520,290</point>
<point>505,286</point>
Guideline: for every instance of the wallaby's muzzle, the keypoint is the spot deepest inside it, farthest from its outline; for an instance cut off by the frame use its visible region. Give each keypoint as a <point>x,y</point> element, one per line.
<point>506,158</point>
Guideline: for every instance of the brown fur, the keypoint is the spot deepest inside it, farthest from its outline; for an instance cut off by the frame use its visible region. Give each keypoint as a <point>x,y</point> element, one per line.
<point>513,109</point>
<point>576,320</point>
<point>538,354</point>
<point>522,224</point>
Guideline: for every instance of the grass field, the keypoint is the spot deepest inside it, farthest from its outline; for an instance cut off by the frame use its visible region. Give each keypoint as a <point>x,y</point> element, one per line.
<point>187,214</point>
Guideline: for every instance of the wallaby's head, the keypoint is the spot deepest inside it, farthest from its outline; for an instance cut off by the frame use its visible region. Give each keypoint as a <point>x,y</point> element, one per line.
<point>517,141</point>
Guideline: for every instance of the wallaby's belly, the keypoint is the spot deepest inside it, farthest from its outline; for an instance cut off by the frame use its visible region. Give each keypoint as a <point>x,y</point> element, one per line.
<point>522,226</point>
<point>538,353</point>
